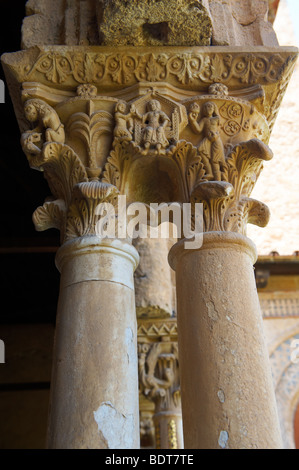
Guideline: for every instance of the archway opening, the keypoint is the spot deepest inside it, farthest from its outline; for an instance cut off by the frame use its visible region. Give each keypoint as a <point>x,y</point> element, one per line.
<point>296,427</point>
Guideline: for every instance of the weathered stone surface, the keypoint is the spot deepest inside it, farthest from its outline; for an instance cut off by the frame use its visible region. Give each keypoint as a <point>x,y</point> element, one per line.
<point>94,388</point>
<point>237,23</point>
<point>150,22</point>
<point>60,22</point>
<point>219,323</point>
<point>43,22</point>
<point>154,23</point>
<point>153,279</point>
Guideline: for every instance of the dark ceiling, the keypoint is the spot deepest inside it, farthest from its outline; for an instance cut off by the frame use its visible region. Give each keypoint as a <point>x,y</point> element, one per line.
<point>28,277</point>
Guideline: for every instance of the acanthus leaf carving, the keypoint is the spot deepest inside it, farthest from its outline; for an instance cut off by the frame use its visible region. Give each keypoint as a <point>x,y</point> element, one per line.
<point>63,170</point>
<point>83,214</point>
<point>50,215</point>
<point>226,204</point>
<point>215,196</point>
<point>190,166</point>
<point>244,165</point>
<point>119,164</point>
<point>55,66</point>
<point>90,130</point>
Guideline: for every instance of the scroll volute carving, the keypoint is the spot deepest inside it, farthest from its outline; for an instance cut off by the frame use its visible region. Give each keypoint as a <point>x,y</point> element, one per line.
<point>227,205</point>
<point>159,374</point>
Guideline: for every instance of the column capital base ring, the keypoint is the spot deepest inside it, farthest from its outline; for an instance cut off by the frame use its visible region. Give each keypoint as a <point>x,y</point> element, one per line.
<point>92,245</point>
<point>214,240</point>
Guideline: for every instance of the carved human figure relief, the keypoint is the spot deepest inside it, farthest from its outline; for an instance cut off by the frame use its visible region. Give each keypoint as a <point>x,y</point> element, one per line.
<point>155,122</point>
<point>124,123</point>
<point>48,127</point>
<point>210,148</point>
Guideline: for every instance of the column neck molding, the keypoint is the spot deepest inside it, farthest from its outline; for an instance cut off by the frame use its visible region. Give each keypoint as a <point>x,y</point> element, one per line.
<point>213,241</point>
<point>82,246</point>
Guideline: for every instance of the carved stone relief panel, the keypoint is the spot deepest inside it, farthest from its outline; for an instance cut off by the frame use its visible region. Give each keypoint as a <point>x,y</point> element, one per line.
<point>159,384</point>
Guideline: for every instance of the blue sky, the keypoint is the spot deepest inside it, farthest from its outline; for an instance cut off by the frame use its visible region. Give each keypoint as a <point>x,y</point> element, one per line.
<point>294,10</point>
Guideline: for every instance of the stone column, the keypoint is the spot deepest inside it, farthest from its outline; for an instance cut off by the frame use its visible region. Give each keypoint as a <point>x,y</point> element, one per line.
<point>227,390</point>
<point>175,120</point>
<point>94,388</point>
<point>154,290</point>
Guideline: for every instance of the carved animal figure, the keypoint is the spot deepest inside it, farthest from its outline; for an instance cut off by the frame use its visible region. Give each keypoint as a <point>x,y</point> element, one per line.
<point>46,119</point>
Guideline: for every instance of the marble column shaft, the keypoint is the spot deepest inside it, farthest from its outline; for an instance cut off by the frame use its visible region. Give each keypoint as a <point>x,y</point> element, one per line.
<point>94,388</point>
<point>227,391</point>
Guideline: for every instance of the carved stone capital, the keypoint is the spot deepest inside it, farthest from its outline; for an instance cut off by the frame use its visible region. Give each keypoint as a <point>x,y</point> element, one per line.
<point>202,150</point>
<point>72,208</point>
<point>158,124</point>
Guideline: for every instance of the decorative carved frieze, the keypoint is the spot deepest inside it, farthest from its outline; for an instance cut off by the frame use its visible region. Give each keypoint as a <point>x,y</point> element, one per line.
<point>197,67</point>
<point>193,69</point>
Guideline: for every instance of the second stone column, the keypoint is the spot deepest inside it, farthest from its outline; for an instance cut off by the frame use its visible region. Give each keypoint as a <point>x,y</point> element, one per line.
<point>228,399</point>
